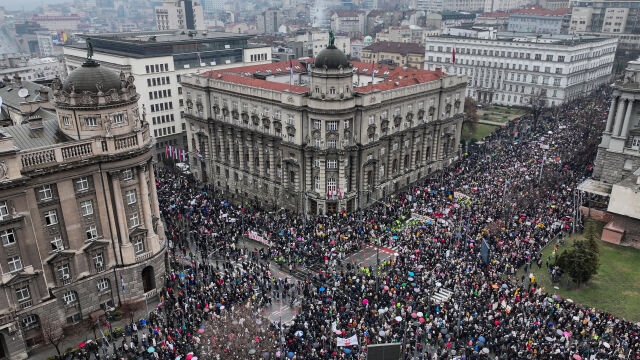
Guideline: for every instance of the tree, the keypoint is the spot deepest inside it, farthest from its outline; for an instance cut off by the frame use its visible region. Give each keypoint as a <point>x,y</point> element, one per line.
<point>233,334</point>
<point>538,102</point>
<point>91,324</point>
<point>580,262</point>
<point>591,237</point>
<point>129,310</point>
<point>470,113</point>
<point>52,332</point>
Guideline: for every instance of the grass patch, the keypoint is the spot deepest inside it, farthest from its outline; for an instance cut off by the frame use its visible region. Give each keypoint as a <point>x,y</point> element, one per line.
<point>616,287</point>
<point>480,132</point>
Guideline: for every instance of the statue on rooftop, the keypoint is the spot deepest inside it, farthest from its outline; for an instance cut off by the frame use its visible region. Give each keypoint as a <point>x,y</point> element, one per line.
<point>331,38</point>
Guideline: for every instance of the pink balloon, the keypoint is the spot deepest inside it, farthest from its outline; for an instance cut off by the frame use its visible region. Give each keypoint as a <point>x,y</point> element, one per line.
<point>421,320</point>
<point>365,301</point>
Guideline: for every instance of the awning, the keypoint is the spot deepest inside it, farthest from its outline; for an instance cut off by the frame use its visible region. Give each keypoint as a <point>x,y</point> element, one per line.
<point>592,186</point>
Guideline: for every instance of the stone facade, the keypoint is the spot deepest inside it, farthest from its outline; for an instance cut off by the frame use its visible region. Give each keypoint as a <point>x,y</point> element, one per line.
<point>79,215</point>
<point>335,142</point>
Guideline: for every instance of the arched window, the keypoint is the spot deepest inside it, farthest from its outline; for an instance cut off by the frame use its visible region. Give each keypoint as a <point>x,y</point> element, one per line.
<point>394,166</point>
<point>418,157</point>
<point>406,161</point>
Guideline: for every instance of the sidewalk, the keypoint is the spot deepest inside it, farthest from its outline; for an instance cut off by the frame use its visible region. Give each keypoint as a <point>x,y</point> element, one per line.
<point>84,334</point>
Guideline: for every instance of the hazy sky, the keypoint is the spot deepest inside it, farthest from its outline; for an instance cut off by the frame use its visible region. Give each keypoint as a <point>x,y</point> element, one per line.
<point>26,4</point>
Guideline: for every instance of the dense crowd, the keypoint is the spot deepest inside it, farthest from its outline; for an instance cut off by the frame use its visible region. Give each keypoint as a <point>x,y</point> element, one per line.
<point>516,192</point>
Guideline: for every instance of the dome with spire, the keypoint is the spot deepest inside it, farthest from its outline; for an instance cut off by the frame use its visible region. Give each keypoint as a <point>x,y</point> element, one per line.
<point>331,58</point>
<point>91,77</point>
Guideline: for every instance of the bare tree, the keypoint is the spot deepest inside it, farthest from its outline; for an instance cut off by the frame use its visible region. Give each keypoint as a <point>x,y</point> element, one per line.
<point>52,332</point>
<point>238,333</point>
<point>538,102</point>
<point>129,310</point>
<point>470,113</point>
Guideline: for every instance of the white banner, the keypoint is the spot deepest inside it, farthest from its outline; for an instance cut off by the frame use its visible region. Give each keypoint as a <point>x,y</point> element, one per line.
<point>254,236</point>
<point>348,341</point>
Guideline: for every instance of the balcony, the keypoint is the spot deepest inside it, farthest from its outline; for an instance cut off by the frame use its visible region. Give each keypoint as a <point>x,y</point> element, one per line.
<point>83,150</point>
<point>25,304</point>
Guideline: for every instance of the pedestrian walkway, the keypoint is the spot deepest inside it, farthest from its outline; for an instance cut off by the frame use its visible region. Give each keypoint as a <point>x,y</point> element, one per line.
<point>442,295</point>
<point>83,334</point>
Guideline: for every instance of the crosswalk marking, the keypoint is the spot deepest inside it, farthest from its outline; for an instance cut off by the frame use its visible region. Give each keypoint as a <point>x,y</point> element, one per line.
<point>442,295</point>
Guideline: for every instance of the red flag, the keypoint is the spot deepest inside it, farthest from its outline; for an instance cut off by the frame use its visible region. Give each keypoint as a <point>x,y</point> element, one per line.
<point>453,55</point>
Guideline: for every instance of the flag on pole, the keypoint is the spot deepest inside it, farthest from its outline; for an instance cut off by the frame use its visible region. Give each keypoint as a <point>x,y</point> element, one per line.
<point>328,193</point>
<point>169,151</point>
<point>122,281</point>
<point>453,55</point>
<point>373,73</point>
<point>339,192</point>
<point>175,153</point>
<point>183,155</point>
<point>199,59</point>
<point>291,72</point>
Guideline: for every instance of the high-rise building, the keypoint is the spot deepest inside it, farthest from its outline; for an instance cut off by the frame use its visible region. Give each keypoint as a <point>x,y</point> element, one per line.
<point>616,173</point>
<point>516,69</point>
<point>323,136</point>
<point>211,6</point>
<point>180,15</point>
<point>158,59</point>
<point>83,234</point>
<point>270,20</point>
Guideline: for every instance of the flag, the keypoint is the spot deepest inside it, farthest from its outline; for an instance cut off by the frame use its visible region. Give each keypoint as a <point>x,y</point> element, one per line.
<point>328,193</point>
<point>199,154</point>
<point>453,55</point>
<point>199,59</point>
<point>348,341</point>
<point>339,192</point>
<point>168,150</point>
<point>175,153</point>
<point>291,71</point>
<point>183,155</point>
<point>122,281</point>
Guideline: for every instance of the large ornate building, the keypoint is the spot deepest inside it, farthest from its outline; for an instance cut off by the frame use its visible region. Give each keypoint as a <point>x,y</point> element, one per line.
<point>616,173</point>
<point>79,217</point>
<point>322,136</point>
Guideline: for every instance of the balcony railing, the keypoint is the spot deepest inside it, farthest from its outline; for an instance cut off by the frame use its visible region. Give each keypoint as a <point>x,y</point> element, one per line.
<point>76,150</point>
<point>25,304</point>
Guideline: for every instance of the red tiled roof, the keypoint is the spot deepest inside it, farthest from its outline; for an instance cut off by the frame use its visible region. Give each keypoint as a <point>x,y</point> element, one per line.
<point>251,81</point>
<point>543,12</point>
<point>401,79</point>
<point>244,75</point>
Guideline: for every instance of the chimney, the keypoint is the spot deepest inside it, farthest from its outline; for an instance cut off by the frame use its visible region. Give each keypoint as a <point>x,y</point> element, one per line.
<point>17,80</point>
<point>35,123</point>
<point>44,94</point>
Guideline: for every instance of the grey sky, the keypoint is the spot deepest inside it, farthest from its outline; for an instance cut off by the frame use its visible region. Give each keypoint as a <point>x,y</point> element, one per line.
<point>27,4</point>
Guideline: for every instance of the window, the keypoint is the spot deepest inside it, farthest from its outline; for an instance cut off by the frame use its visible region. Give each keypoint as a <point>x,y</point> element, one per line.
<point>82,184</point>
<point>69,297</point>
<point>131,197</point>
<point>372,120</point>
<point>22,295</point>
<point>331,143</point>
<point>66,121</point>
<point>317,124</point>
<point>91,121</point>
<point>316,183</point>
<point>50,217</point>
<point>332,125</point>
<point>98,261</point>
<point>63,272</point>
<point>92,233</point>
<point>8,237</point>
<point>4,210</point>
<point>332,164</point>
<point>86,207</point>
<point>15,264</point>
<point>346,124</point>
<point>331,187</point>
<point>103,284</point>
<point>118,119</point>
<point>138,245</point>
<point>57,244</point>
<point>45,193</point>
<point>134,220</point>
<point>127,174</point>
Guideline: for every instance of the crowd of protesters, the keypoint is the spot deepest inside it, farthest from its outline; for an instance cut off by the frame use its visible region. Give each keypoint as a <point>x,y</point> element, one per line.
<point>516,193</point>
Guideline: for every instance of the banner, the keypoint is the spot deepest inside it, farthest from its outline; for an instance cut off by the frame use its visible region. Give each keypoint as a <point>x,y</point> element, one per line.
<point>254,236</point>
<point>348,341</point>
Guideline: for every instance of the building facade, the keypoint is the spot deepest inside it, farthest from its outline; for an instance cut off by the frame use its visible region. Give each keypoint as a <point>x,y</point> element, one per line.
<point>158,59</point>
<point>395,53</point>
<point>539,21</point>
<point>609,18</point>
<point>336,137</point>
<point>513,70</point>
<point>82,235</point>
<point>180,15</point>
<point>616,173</point>
<point>270,21</point>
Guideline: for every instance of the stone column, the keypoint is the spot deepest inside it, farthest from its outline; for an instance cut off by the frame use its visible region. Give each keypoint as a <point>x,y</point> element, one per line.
<point>425,145</point>
<point>260,157</point>
<point>153,191</point>
<point>251,154</point>
<point>619,116</point>
<point>612,111</point>
<point>123,222</point>
<point>240,139</point>
<point>388,167</point>
<point>342,180</point>
<point>627,119</point>
<point>272,162</point>
<point>402,151</point>
<point>144,196</point>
